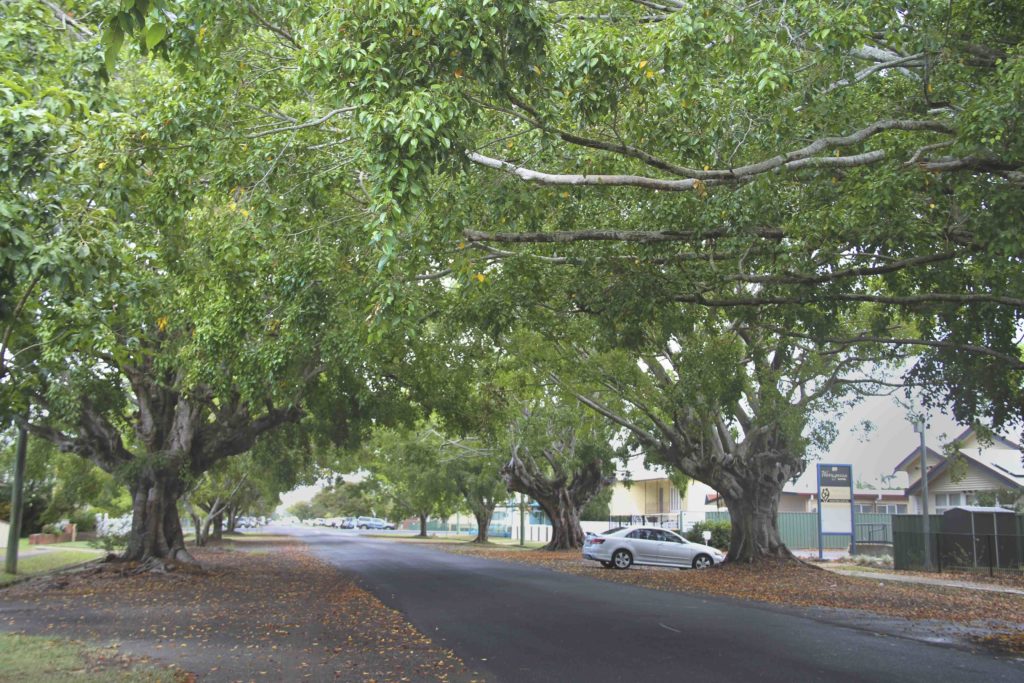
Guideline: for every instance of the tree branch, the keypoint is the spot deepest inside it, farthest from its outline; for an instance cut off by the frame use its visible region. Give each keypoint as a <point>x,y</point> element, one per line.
<point>696,179</point>
<point>643,237</point>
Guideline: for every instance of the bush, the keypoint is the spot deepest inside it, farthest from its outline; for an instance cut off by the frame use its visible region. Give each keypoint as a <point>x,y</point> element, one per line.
<point>57,528</point>
<point>883,561</point>
<point>84,521</point>
<point>720,533</point>
<point>110,542</point>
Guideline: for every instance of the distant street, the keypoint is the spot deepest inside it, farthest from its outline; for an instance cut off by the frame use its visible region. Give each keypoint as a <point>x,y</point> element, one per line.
<point>514,622</point>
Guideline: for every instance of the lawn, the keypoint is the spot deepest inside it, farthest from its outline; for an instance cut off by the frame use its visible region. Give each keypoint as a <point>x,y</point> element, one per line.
<point>23,544</point>
<point>48,561</point>
<point>53,660</point>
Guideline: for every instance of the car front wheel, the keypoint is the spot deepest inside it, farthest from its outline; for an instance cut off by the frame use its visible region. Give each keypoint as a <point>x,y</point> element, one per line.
<point>622,559</point>
<point>702,562</point>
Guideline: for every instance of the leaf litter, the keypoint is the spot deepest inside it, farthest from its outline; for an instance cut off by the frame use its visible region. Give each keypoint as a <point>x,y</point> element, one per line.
<point>247,616</point>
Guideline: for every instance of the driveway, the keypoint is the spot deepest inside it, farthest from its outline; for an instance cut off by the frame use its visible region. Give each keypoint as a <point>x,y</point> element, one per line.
<point>514,622</point>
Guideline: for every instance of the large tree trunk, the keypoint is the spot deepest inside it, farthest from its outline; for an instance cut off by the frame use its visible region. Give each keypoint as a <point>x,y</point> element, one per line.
<point>483,515</point>
<point>423,526</point>
<point>207,528</point>
<point>156,528</point>
<point>566,530</point>
<point>560,496</point>
<point>752,488</point>
<point>197,523</point>
<point>755,529</point>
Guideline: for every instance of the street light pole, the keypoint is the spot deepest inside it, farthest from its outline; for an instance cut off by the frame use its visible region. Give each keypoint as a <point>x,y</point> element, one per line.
<point>926,522</point>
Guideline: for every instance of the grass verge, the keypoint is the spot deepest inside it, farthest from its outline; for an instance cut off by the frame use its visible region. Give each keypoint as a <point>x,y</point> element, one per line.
<point>54,660</point>
<point>47,562</point>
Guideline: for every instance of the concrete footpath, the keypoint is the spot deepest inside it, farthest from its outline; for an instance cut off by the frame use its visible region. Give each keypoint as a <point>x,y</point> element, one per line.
<point>926,580</point>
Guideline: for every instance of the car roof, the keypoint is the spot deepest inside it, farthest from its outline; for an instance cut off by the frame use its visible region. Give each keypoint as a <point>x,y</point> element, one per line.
<point>626,529</point>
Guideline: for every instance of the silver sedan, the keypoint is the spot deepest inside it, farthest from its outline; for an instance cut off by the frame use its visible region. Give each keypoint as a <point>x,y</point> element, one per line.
<point>621,548</point>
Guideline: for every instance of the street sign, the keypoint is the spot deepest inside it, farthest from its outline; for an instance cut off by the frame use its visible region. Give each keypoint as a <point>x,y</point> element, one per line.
<point>835,504</point>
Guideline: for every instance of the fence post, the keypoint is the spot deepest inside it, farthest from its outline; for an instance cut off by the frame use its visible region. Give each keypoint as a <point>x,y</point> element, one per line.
<point>938,546</point>
<point>991,563</point>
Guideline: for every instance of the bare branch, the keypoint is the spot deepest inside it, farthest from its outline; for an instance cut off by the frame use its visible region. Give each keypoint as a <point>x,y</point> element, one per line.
<point>306,124</point>
<point>805,157</point>
<point>644,237</point>
<point>1014,362</point>
<point>819,296</point>
<point>82,30</point>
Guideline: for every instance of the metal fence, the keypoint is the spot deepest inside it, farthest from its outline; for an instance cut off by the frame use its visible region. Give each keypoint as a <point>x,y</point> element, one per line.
<point>989,553</point>
<point>799,530</point>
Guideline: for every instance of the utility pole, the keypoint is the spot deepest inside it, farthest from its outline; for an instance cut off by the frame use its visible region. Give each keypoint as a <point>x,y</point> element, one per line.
<point>522,519</point>
<point>17,501</point>
<point>926,522</point>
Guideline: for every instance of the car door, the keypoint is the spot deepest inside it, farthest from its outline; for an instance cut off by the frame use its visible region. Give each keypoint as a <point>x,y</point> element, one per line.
<point>658,541</point>
<point>676,550</point>
<point>645,550</point>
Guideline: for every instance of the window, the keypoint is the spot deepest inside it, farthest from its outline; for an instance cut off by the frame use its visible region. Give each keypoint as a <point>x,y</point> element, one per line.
<point>944,501</point>
<point>892,508</point>
<point>864,507</point>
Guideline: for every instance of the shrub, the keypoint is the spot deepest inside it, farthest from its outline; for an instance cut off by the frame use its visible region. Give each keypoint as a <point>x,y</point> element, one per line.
<point>110,542</point>
<point>884,561</point>
<point>720,533</point>
<point>84,521</point>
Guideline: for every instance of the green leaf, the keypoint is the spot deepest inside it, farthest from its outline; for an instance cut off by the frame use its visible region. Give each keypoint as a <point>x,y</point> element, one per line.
<point>154,34</point>
<point>114,38</point>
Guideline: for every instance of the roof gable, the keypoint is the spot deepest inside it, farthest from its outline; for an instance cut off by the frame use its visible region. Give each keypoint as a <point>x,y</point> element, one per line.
<point>1003,476</point>
<point>915,455</point>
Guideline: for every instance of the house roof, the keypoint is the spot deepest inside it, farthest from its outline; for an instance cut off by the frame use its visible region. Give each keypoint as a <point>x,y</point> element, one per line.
<point>980,509</point>
<point>915,454</point>
<point>1002,464</point>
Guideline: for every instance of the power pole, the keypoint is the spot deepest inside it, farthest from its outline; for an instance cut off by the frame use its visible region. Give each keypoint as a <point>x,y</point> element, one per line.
<point>17,501</point>
<point>926,522</point>
<point>522,519</point>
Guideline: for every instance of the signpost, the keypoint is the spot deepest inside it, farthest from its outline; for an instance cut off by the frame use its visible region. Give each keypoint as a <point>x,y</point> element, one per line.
<point>835,505</point>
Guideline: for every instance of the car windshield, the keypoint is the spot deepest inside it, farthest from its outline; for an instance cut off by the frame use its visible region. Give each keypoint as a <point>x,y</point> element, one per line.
<point>613,530</point>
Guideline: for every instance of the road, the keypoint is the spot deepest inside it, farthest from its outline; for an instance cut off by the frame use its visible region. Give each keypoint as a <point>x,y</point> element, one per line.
<point>513,622</point>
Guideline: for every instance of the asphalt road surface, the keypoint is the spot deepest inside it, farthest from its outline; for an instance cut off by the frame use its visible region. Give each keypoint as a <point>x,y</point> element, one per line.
<point>511,622</point>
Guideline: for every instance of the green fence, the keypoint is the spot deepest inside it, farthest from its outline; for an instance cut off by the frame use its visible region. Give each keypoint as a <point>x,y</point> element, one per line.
<point>799,530</point>
<point>958,551</point>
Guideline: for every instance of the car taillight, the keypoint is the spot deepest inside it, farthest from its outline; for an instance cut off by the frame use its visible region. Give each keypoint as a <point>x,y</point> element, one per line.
<point>596,541</point>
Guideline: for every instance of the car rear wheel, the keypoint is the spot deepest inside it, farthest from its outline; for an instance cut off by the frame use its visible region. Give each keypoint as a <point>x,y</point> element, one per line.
<point>702,561</point>
<point>606,564</point>
<point>622,559</point>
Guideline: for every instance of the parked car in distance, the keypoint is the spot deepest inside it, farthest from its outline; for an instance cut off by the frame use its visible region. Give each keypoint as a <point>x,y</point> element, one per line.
<point>373,523</point>
<point>348,523</point>
<point>622,548</point>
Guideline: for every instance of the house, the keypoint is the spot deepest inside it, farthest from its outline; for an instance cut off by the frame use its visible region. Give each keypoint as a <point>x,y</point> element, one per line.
<point>977,466</point>
<point>866,500</point>
<point>648,496</point>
